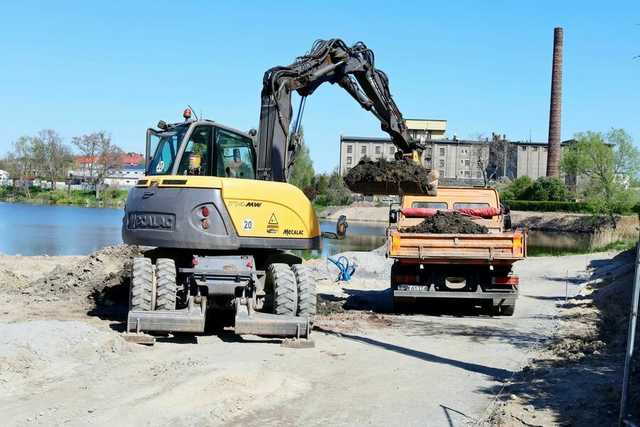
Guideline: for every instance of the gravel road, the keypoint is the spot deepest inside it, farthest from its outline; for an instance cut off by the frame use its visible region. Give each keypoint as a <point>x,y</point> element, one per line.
<point>367,368</point>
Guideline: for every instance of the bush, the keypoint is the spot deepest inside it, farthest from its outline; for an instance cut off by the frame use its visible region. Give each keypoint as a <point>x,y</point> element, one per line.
<point>564,206</point>
<point>543,189</point>
<point>547,206</point>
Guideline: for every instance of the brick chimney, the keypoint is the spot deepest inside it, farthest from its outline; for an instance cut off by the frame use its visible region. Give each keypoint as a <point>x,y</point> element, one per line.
<point>553,159</point>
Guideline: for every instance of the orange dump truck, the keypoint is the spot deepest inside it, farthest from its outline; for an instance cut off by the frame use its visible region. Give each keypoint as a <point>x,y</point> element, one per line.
<point>456,266</point>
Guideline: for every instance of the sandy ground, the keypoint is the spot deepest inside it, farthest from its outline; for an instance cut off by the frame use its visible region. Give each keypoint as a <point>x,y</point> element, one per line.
<point>63,361</point>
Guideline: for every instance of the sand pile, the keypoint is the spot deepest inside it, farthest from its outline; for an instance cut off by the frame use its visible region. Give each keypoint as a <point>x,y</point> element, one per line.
<point>107,267</point>
<point>385,177</point>
<point>447,223</point>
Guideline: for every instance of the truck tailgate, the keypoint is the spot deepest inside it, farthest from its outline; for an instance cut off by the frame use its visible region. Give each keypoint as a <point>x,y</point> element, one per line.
<point>448,247</point>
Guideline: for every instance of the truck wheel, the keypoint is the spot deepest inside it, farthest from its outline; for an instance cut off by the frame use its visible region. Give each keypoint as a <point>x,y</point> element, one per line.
<point>165,284</point>
<point>508,310</point>
<point>141,289</point>
<point>306,291</point>
<point>504,310</point>
<point>282,281</point>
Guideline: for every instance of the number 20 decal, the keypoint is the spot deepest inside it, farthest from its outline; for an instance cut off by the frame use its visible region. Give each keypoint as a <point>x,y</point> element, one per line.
<point>247,224</point>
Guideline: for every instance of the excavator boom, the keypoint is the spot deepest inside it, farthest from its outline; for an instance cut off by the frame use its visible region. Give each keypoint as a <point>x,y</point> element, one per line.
<point>332,61</point>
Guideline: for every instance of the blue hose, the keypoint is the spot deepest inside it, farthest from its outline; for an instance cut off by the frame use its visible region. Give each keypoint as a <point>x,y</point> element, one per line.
<point>347,268</point>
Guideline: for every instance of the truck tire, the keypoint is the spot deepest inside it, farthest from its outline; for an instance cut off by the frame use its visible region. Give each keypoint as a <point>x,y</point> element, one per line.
<point>141,289</point>
<point>166,284</point>
<point>306,291</point>
<point>282,281</point>
<point>508,310</point>
<point>504,310</point>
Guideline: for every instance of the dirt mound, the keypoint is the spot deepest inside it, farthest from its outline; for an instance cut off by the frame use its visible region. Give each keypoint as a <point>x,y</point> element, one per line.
<point>447,222</point>
<point>104,268</point>
<point>385,177</point>
<point>11,282</point>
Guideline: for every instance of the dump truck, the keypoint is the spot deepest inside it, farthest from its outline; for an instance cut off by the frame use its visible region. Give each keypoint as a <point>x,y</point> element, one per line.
<point>463,267</point>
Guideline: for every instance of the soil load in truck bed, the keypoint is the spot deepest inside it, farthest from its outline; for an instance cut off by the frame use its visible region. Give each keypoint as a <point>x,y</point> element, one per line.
<point>391,177</point>
<point>447,223</point>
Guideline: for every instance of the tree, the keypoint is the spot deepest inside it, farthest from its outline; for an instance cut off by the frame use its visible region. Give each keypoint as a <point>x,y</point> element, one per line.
<point>108,158</point>
<point>87,145</point>
<point>302,172</point>
<point>607,167</point>
<point>52,155</point>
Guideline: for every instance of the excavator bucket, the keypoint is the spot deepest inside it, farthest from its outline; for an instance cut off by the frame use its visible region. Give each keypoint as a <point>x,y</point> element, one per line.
<point>391,177</point>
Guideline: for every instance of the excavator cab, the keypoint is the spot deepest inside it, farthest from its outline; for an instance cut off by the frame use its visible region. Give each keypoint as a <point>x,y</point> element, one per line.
<point>200,148</point>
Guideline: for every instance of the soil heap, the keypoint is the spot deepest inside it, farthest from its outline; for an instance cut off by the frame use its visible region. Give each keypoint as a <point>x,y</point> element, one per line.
<point>104,268</point>
<point>390,177</point>
<point>447,223</point>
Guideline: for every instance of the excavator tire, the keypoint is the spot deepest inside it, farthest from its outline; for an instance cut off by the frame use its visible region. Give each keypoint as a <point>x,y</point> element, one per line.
<point>306,291</point>
<point>283,282</point>
<point>142,281</point>
<point>165,284</point>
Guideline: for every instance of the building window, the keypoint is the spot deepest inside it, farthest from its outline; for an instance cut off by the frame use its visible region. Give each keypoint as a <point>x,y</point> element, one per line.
<point>535,148</point>
<point>349,160</point>
<point>441,163</point>
<point>467,162</point>
<point>363,150</point>
<point>524,148</point>
<point>479,174</point>
<point>467,173</point>
<point>392,150</point>
<point>349,149</point>
<point>378,149</point>
<point>461,162</point>
<point>442,151</point>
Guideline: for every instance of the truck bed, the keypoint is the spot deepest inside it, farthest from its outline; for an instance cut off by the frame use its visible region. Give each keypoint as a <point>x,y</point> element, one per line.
<point>506,247</point>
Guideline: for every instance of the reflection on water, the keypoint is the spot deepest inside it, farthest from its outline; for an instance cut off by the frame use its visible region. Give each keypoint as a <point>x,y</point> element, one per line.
<point>360,237</point>
<point>57,230</point>
<point>64,230</point>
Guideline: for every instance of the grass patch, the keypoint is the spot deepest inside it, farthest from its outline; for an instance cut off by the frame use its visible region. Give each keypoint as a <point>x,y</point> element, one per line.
<point>110,197</point>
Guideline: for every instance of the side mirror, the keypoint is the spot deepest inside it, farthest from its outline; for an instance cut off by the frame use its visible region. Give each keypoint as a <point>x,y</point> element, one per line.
<point>393,216</point>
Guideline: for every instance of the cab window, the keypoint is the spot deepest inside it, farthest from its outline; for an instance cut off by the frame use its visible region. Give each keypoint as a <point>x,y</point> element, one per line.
<point>196,159</point>
<point>430,205</point>
<point>234,155</point>
<point>460,205</point>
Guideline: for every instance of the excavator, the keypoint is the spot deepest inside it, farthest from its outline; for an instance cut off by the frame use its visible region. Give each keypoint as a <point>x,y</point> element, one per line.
<point>216,205</point>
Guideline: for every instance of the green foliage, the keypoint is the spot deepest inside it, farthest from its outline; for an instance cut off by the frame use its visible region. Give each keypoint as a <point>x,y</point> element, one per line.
<point>110,197</point>
<point>302,171</point>
<point>609,163</point>
<point>548,206</point>
<point>330,190</point>
<point>543,189</point>
<point>546,189</point>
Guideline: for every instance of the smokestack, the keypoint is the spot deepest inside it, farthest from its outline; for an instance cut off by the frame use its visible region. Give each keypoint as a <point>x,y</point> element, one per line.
<point>553,158</point>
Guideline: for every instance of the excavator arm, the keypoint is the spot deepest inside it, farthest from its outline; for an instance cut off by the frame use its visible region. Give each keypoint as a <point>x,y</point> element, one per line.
<point>332,61</point>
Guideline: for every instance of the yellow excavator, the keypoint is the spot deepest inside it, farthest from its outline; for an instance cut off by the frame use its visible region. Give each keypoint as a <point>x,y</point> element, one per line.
<point>215,203</point>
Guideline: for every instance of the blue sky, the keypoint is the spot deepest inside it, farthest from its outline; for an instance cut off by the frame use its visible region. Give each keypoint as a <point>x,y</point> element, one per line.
<point>121,66</point>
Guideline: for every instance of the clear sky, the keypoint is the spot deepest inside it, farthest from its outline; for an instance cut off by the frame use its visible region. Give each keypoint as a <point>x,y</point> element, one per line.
<point>120,66</point>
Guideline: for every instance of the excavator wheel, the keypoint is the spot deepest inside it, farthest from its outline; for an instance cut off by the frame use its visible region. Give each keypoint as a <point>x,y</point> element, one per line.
<point>165,284</point>
<point>142,285</point>
<point>306,291</point>
<point>282,281</point>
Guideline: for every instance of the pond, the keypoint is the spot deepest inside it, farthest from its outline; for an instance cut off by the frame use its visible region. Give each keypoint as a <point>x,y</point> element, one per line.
<point>65,230</point>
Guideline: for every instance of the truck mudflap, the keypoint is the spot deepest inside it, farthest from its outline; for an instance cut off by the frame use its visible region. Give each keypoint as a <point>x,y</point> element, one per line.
<point>507,297</point>
<point>192,319</point>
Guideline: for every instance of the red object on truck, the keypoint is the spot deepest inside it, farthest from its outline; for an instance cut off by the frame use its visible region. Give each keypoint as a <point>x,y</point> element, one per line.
<point>486,213</point>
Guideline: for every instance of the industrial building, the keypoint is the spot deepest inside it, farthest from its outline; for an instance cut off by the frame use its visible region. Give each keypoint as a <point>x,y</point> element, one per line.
<point>458,160</point>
